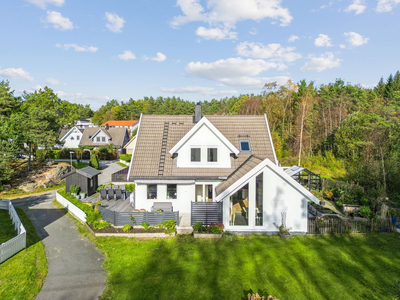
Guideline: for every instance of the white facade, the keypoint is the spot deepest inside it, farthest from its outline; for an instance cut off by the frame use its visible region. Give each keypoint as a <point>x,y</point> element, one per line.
<point>100,137</point>
<point>83,123</point>
<point>72,138</point>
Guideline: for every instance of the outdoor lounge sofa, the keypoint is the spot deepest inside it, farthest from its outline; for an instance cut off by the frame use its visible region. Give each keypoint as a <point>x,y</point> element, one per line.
<point>165,206</point>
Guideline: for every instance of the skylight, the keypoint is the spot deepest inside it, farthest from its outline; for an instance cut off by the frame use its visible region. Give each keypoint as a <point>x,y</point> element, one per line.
<point>244,146</point>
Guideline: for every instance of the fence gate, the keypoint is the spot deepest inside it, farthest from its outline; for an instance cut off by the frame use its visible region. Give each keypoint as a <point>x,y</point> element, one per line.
<point>206,212</point>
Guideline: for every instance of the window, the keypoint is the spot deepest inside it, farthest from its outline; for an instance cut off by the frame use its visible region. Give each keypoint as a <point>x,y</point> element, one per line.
<point>259,200</point>
<point>212,154</point>
<point>98,139</point>
<point>91,182</point>
<point>103,139</point>
<point>78,137</point>
<point>152,191</point>
<point>244,146</point>
<point>239,207</point>
<point>171,191</point>
<point>195,155</point>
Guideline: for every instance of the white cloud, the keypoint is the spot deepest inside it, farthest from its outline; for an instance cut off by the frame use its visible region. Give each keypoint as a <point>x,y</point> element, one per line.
<point>254,82</point>
<point>293,38</point>
<point>77,48</point>
<point>37,88</point>
<point>323,62</point>
<point>229,12</point>
<point>355,39</point>
<point>323,40</point>
<point>53,81</point>
<point>202,90</point>
<point>127,55</point>
<point>216,33</point>
<point>114,22</point>
<point>358,6</point>
<point>386,5</point>
<point>272,51</point>
<point>58,21</point>
<point>83,98</point>
<point>342,46</point>
<point>43,3</point>
<point>160,57</point>
<point>16,73</point>
<point>253,31</point>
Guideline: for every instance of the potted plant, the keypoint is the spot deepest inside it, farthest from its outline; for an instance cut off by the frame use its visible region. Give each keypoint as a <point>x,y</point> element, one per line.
<point>74,190</point>
<point>393,214</point>
<point>283,230</point>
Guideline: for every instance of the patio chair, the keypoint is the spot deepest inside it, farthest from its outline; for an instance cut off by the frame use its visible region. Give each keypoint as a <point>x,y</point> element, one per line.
<point>108,187</point>
<point>165,206</point>
<point>111,194</point>
<point>118,194</point>
<point>122,186</point>
<point>103,194</point>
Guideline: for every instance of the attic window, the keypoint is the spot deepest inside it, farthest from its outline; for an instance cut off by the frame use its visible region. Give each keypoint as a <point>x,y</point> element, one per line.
<point>90,136</point>
<point>244,146</point>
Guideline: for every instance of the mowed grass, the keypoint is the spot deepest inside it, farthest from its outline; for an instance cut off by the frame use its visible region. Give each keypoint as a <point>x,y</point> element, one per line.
<point>79,165</point>
<point>22,276</point>
<point>7,231</point>
<point>311,267</point>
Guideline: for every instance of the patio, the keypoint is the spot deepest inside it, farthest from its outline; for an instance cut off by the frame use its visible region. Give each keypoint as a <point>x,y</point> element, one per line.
<point>114,205</point>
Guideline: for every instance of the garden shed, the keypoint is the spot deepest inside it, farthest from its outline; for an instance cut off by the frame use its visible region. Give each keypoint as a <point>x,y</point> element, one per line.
<point>86,178</point>
<point>305,177</point>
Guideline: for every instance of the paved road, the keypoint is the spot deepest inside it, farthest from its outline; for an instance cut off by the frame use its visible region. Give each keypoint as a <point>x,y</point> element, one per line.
<point>74,263</point>
<point>108,168</point>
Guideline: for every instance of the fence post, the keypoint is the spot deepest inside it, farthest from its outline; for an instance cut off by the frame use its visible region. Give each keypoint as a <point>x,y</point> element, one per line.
<point>372,225</point>
<point>115,218</point>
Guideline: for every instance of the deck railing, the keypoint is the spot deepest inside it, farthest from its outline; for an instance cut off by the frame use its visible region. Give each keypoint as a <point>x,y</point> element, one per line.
<point>18,243</point>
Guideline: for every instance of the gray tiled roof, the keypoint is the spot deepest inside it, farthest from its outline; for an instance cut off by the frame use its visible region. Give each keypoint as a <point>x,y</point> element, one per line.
<point>117,136</point>
<point>88,172</point>
<point>149,141</point>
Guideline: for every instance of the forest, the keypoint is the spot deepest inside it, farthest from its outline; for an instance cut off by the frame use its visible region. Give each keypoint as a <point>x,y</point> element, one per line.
<point>342,131</point>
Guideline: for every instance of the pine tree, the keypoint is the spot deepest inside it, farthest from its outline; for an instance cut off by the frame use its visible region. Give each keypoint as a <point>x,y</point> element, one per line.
<point>388,94</point>
<point>94,162</point>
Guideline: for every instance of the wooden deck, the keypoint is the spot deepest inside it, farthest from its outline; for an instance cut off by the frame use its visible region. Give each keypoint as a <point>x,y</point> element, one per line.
<point>114,205</point>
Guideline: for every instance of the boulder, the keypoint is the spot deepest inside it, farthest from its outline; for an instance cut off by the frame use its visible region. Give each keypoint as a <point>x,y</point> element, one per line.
<point>29,187</point>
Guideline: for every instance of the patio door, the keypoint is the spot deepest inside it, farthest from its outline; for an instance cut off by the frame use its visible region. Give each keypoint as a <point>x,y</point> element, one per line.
<point>204,193</point>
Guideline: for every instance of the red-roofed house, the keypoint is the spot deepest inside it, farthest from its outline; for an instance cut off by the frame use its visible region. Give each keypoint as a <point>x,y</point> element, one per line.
<point>128,124</point>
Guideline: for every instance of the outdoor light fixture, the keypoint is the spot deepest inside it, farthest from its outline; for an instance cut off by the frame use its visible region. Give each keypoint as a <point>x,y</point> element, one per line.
<point>70,155</point>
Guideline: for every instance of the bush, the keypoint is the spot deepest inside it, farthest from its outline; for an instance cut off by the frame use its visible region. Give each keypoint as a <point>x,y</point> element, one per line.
<point>94,162</point>
<point>127,227</point>
<point>93,216</point>
<point>145,225</point>
<point>392,213</point>
<point>125,157</point>
<point>130,187</point>
<point>169,226</point>
<point>216,228</point>
<point>87,209</point>
<point>199,227</point>
<point>74,189</point>
<point>365,212</point>
<point>101,224</point>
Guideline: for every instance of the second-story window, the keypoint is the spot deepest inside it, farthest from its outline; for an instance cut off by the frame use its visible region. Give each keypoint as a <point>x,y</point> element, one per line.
<point>195,155</point>
<point>212,154</point>
<point>98,139</point>
<point>103,139</point>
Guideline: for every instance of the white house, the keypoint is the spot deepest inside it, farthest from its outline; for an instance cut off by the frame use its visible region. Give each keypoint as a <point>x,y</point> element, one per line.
<point>227,159</point>
<point>131,125</point>
<point>97,136</point>
<point>70,137</point>
<point>84,123</point>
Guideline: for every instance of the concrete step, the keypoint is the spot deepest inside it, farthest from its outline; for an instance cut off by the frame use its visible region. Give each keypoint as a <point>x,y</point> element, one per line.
<point>184,230</point>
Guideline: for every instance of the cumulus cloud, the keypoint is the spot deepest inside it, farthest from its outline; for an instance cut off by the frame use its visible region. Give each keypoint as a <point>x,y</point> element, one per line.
<point>386,5</point>
<point>83,98</point>
<point>159,57</point>
<point>253,31</point>
<point>43,3</point>
<point>127,55</point>
<point>16,73</point>
<point>216,33</point>
<point>358,6</point>
<point>323,62</point>
<point>293,38</point>
<point>202,90</point>
<point>58,21</point>
<point>323,40</point>
<point>77,48</point>
<point>114,22</point>
<point>271,51</point>
<point>355,39</point>
<point>53,81</point>
<point>229,12</point>
<point>37,88</point>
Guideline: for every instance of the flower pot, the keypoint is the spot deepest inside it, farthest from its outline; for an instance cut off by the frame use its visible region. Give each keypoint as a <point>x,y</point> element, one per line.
<point>83,195</point>
<point>73,194</point>
<point>394,220</point>
<point>285,236</point>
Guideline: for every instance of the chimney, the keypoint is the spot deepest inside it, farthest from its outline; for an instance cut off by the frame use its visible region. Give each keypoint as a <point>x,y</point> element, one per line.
<point>107,126</point>
<point>197,113</point>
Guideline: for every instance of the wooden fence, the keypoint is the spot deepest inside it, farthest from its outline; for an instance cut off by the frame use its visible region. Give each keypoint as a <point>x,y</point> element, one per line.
<point>153,218</point>
<point>206,212</point>
<point>341,225</point>
<point>18,243</point>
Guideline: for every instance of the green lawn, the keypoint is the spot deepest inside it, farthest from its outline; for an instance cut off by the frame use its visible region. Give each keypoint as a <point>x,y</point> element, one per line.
<point>79,165</point>
<point>7,231</point>
<point>122,164</point>
<point>324,267</point>
<point>22,276</point>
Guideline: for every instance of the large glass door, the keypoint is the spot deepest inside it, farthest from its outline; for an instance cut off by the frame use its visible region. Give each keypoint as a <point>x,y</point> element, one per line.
<point>239,207</point>
<point>204,193</point>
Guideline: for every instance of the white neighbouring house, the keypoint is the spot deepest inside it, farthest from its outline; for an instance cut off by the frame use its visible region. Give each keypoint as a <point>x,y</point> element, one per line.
<point>227,159</point>
<point>70,138</point>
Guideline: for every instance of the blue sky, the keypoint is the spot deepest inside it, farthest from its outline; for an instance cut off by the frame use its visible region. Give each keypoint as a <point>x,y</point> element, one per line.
<point>93,51</point>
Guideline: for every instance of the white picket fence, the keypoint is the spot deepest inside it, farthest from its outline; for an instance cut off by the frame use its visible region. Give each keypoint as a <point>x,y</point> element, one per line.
<point>73,209</point>
<point>17,243</point>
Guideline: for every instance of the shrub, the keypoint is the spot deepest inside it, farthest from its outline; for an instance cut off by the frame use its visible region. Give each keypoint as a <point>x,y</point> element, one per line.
<point>392,213</point>
<point>127,227</point>
<point>160,225</point>
<point>365,212</point>
<point>216,228</point>
<point>199,227</point>
<point>94,162</point>
<point>93,216</point>
<point>169,226</point>
<point>125,157</point>
<point>145,225</point>
<point>132,219</point>
<point>130,187</point>
<point>87,209</point>
<point>74,189</point>
<point>101,224</point>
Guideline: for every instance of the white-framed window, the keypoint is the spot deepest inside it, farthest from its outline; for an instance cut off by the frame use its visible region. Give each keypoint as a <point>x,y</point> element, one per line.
<point>103,139</point>
<point>195,154</point>
<point>244,146</point>
<point>152,191</point>
<point>78,137</point>
<point>91,182</point>
<point>98,139</point>
<point>212,155</point>
<point>171,191</point>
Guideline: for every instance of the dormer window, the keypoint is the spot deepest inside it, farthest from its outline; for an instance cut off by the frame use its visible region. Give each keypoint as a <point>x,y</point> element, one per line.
<point>212,154</point>
<point>98,139</point>
<point>195,154</point>
<point>103,139</point>
<point>245,146</point>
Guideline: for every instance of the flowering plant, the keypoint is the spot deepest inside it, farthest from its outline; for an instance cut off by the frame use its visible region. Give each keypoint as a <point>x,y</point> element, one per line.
<point>320,221</point>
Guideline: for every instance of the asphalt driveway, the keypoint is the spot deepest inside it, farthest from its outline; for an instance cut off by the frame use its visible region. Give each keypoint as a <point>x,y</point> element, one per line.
<point>107,169</point>
<point>74,263</point>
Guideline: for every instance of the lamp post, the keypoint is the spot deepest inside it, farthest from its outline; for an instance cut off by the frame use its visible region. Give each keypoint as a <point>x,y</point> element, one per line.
<point>70,155</point>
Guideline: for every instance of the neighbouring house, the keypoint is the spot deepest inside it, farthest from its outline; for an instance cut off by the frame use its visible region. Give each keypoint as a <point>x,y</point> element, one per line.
<point>216,166</point>
<point>131,125</point>
<point>130,145</point>
<point>71,137</point>
<point>86,178</point>
<point>98,136</point>
<point>84,123</point>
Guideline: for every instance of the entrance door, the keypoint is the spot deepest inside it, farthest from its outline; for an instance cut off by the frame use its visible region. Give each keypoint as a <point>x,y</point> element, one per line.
<point>204,193</point>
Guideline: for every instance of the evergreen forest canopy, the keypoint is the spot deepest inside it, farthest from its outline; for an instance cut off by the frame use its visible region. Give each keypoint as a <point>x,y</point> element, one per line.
<point>340,130</point>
